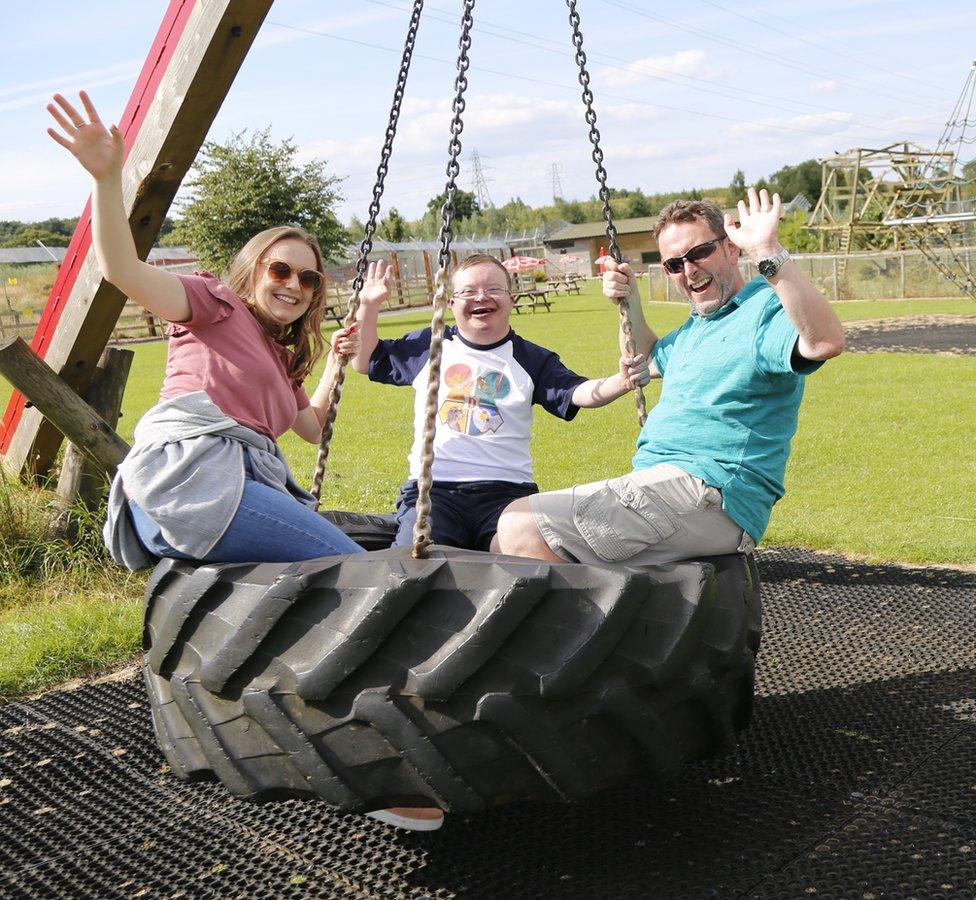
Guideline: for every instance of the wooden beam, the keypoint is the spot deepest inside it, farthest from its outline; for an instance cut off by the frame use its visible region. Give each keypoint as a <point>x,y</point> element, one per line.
<point>57,402</point>
<point>193,61</point>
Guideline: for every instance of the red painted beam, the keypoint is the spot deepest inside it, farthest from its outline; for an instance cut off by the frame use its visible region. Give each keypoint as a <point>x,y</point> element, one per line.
<point>160,54</point>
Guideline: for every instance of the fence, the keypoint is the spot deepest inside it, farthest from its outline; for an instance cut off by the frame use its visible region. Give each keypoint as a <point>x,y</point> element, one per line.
<point>862,276</point>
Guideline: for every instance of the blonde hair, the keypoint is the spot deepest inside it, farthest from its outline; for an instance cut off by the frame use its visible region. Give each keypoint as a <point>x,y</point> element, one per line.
<point>305,333</point>
<point>479,259</point>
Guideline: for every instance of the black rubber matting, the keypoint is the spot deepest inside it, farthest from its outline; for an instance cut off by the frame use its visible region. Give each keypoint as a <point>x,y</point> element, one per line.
<point>857,778</point>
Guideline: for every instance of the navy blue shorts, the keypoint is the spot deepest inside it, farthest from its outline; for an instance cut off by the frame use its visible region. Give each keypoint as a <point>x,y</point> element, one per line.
<point>462,513</point>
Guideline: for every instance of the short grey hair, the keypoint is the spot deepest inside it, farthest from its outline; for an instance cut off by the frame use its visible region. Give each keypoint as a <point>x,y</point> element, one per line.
<point>690,211</point>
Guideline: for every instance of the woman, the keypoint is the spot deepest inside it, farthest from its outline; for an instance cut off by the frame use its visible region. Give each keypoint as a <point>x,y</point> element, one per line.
<point>205,479</point>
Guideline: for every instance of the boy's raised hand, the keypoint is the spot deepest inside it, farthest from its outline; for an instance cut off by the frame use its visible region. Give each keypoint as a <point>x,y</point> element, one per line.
<point>376,287</point>
<point>99,149</point>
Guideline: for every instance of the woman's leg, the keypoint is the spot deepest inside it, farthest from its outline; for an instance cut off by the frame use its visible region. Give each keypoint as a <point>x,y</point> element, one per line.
<point>272,526</point>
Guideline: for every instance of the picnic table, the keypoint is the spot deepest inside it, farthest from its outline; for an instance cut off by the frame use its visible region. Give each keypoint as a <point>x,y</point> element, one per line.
<point>568,282</point>
<point>535,298</point>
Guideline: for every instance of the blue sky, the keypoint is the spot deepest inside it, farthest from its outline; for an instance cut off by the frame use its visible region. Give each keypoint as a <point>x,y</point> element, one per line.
<point>685,93</point>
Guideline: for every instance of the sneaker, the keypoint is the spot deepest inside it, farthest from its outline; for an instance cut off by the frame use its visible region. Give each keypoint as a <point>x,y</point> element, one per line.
<point>409,817</point>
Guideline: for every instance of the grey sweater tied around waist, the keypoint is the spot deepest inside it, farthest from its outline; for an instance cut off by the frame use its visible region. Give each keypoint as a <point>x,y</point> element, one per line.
<point>186,472</point>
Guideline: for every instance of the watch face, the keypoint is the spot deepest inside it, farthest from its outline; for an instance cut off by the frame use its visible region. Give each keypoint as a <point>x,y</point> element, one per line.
<point>767,267</point>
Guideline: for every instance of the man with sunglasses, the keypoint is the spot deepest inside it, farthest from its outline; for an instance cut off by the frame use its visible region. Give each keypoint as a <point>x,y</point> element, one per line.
<point>711,458</point>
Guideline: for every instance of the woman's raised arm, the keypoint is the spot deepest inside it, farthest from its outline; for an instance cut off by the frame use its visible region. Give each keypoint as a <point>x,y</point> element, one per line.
<point>100,151</point>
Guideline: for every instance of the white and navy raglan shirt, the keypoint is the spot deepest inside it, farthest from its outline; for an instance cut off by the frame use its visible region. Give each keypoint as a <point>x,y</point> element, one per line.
<point>484,414</point>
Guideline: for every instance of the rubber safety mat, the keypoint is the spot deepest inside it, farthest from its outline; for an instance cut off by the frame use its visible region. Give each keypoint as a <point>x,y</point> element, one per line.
<point>857,778</point>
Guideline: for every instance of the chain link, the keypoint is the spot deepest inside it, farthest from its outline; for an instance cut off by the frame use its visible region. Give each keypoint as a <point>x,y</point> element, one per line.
<point>601,176</point>
<point>421,529</point>
<point>365,247</point>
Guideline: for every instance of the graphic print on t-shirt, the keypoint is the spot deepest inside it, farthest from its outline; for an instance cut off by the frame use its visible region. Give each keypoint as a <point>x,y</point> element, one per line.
<point>471,404</point>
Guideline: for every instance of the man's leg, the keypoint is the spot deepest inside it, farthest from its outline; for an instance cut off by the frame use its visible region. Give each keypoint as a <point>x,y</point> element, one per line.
<point>519,535</point>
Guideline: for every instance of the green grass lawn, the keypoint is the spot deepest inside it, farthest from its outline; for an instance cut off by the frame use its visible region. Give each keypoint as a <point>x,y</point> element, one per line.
<point>882,467</point>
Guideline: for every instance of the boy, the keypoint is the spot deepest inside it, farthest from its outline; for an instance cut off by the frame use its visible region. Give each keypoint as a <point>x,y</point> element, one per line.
<point>490,379</point>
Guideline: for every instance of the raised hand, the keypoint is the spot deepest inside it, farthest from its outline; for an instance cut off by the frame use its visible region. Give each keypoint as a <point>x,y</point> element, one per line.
<point>376,287</point>
<point>99,149</point>
<point>756,233</point>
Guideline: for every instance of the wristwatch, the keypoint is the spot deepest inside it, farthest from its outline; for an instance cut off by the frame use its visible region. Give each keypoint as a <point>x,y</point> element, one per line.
<point>770,265</point>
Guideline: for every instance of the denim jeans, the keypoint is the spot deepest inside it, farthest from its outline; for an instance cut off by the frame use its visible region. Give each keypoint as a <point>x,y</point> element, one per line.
<point>269,526</point>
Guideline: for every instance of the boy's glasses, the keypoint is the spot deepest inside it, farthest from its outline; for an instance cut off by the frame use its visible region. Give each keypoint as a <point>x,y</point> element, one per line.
<point>696,254</point>
<point>475,293</point>
<point>307,278</point>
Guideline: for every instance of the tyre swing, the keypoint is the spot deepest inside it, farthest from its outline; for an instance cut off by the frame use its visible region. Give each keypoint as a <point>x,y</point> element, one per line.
<point>438,676</point>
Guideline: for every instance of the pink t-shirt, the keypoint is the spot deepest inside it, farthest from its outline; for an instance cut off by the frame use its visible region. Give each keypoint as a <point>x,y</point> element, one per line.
<point>224,351</point>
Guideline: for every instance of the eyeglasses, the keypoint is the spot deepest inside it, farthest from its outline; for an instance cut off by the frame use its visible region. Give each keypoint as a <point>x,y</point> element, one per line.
<point>475,293</point>
<point>696,254</point>
<point>307,278</point>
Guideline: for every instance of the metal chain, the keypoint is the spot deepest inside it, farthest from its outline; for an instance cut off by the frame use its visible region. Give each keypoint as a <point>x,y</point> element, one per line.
<point>335,395</point>
<point>601,176</point>
<point>421,529</point>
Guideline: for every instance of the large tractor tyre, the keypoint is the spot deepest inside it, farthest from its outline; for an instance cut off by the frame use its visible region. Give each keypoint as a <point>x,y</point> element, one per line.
<point>463,680</point>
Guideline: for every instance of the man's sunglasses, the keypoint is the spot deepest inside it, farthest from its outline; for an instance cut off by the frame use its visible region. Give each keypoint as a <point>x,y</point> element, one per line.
<point>696,254</point>
<point>307,278</point>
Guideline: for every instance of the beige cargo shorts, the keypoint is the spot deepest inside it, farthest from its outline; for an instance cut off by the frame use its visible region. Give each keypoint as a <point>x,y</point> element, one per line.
<point>646,517</point>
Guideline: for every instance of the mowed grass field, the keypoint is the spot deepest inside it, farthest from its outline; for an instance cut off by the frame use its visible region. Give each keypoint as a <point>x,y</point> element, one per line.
<point>883,468</point>
<point>882,464</point>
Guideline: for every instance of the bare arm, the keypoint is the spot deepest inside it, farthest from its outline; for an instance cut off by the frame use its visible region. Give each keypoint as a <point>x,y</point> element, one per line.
<point>601,391</point>
<point>309,421</point>
<point>821,335</point>
<point>620,286</point>
<point>100,150</point>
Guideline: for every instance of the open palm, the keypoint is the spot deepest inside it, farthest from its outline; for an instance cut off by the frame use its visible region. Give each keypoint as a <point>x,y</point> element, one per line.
<point>97,148</point>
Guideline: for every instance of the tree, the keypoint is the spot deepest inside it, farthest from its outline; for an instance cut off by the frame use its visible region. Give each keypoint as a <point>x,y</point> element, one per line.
<point>796,236</point>
<point>803,178</point>
<point>393,227</point>
<point>30,234</point>
<point>465,204</point>
<point>247,185</point>
<point>737,188</point>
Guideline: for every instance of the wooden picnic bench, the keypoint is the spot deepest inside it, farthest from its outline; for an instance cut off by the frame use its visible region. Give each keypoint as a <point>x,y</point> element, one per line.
<point>535,297</point>
<point>568,283</point>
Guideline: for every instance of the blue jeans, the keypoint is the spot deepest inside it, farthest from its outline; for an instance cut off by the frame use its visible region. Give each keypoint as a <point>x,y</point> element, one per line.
<point>269,526</point>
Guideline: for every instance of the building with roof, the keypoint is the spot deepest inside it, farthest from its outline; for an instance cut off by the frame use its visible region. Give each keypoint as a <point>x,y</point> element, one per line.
<point>576,248</point>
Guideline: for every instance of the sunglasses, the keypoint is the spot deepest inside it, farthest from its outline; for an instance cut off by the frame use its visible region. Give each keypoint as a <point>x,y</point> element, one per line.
<point>696,254</point>
<point>307,278</point>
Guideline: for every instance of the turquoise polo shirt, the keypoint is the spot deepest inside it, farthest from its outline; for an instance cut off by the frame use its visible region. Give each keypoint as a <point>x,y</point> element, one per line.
<point>729,403</point>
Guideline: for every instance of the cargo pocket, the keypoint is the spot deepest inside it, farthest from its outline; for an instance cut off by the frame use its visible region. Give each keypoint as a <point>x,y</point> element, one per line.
<point>620,520</point>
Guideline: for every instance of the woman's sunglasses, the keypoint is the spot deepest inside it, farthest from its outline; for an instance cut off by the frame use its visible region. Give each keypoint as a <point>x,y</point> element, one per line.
<point>307,278</point>
<point>696,254</point>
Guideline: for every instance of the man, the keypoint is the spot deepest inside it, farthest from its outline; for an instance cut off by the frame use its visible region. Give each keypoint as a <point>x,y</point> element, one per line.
<point>711,457</point>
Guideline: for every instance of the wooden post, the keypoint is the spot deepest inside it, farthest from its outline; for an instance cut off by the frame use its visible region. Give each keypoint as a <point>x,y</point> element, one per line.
<point>397,276</point>
<point>196,54</point>
<point>901,260</point>
<point>833,262</point>
<point>79,479</point>
<point>428,277</point>
<point>60,405</point>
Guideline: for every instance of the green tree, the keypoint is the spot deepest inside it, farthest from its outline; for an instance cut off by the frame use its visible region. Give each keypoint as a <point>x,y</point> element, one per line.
<point>30,234</point>
<point>737,188</point>
<point>249,184</point>
<point>795,236</point>
<point>803,178</point>
<point>393,227</point>
<point>465,205</point>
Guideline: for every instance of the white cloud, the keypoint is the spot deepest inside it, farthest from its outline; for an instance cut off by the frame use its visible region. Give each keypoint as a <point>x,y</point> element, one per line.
<point>690,63</point>
<point>824,87</point>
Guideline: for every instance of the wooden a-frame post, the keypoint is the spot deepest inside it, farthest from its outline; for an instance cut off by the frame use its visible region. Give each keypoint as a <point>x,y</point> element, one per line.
<point>193,60</point>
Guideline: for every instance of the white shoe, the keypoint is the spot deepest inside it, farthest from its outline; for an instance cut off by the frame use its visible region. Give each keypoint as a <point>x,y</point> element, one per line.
<point>410,818</point>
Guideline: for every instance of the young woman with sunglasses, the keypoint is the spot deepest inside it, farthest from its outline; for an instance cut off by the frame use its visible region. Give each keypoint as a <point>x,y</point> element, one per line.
<point>205,479</point>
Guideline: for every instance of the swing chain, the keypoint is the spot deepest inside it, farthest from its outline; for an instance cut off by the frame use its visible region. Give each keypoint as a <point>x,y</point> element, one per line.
<point>339,375</point>
<point>601,176</point>
<point>425,481</point>
<point>601,172</point>
<point>374,208</point>
<point>457,126</point>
